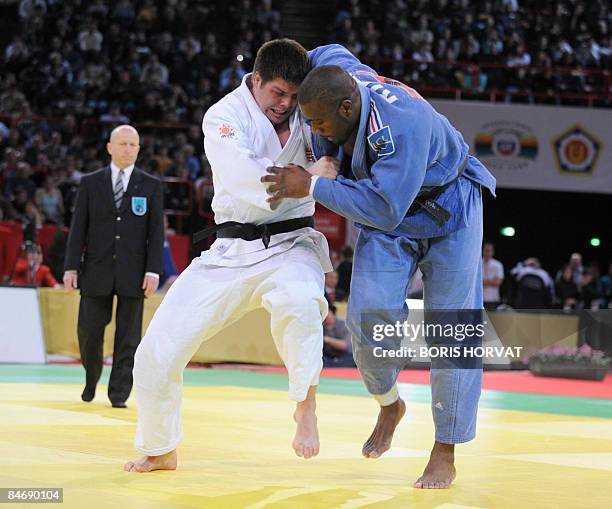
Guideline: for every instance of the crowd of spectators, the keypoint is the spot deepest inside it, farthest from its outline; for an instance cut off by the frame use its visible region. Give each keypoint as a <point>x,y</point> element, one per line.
<point>453,43</point>
<point>145,60</point>
<point>87,66</point>
<point>529,286</point>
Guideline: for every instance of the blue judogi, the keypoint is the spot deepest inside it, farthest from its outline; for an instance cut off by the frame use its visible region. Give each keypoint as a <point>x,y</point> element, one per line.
<point>404,150</point>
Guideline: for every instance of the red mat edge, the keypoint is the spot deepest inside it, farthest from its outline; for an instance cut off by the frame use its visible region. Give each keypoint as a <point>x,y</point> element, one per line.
<point>509,381</point>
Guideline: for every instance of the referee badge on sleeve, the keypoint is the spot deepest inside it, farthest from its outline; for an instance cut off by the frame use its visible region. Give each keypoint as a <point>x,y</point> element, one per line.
<point>139,205</point>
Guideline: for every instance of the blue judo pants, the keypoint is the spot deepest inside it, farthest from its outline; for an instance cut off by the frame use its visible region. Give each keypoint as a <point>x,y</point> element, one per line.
<point>451,265</point>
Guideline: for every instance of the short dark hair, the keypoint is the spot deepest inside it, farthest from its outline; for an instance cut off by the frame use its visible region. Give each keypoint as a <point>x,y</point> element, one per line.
<point>283,59</point>
<point>30,247</point>
<point>347,252</point>
<point>328,85</point>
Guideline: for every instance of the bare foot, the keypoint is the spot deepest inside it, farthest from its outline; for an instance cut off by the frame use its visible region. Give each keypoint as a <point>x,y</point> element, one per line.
<point>149,463</point>
<point>440,471</point>
<point>380,439</point>
<point>306,441</point>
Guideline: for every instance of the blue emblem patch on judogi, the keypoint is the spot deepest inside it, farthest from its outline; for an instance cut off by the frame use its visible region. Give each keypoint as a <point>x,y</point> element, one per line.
<point>139,205</point>
<point>381,142</point>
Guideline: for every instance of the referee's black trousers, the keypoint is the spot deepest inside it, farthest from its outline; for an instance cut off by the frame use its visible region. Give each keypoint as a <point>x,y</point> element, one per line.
<point>94,314</point>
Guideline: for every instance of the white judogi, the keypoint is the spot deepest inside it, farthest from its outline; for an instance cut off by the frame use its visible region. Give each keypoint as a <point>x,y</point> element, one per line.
<point>236,276</point>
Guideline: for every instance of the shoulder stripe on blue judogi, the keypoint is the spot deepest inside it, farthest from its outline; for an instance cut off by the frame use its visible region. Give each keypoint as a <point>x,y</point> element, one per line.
<point>375,122</point>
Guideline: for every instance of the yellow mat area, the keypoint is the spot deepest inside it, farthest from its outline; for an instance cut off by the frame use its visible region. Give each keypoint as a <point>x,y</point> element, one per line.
<point>237,454</point>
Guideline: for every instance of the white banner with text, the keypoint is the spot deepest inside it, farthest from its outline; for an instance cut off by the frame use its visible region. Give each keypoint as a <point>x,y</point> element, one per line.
<point>538,147</point>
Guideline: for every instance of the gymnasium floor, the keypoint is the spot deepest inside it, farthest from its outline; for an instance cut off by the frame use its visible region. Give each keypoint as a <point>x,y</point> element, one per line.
<point>540,444</point>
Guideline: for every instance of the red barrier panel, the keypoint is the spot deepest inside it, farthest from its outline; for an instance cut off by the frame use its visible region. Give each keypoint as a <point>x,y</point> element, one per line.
<point>45,237</point>
<point>179,247</point>
<point>332,226</point>
<point>11,238</point>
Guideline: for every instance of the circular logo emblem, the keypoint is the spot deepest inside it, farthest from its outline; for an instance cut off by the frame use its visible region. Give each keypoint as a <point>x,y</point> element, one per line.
<point>577,151</point>
<point>506,146</point>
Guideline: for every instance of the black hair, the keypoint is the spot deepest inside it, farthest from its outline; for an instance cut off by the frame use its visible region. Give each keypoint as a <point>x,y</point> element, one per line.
<point>328,85</point>
<point>347,252</point>
<point>283,59</point>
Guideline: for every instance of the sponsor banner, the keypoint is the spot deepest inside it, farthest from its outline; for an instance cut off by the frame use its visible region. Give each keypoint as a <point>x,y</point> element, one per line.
<point>538,147</point>
<point>21,332</point>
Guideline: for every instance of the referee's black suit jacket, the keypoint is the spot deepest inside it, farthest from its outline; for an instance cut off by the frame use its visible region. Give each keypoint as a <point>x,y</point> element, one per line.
<point>113,249</point>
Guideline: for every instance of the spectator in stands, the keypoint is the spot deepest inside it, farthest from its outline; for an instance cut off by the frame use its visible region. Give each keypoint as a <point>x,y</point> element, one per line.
<point>90,39</point>
<point>337,346</point>
<point>231,76</point>
<point>19,200</point>
<point>124,13</point>
<point>8,168</point>
<point>517,78</point>
<point>154,73</point>
<point>4,134</point>
<point>53,148</point>
<point>30,8</point>
<point>170,272</point>
<point>492,277</point>
<point>576,268</point>
<point>20,181</point>
<point>147,16</point>
<point>59,76</point>
<point>567,290</point>
<point>50,202</point>
<point>534,287</point>
<point>164,161</point>
<point>7,212</point>
<point>344,270</point>
<point>95,76</point>
<point>32,221</point>
<point>114,115</point>
<point>30,269</point>
<point>16,55</point>
<point>12,100</point>
<point>268,17</point>
<point>591,290</point>
<point>471,78</point>
<point>606,289</point>
<point>331,284</point>
<point>193,163</point>
<point>150,110</point>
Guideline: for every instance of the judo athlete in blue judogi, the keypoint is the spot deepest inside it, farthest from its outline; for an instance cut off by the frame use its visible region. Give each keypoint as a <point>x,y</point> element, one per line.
<point>415,194</point>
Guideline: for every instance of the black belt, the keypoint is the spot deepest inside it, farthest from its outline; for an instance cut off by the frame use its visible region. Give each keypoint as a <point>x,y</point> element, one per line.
<point>426,201</point>
<point>250,231</point>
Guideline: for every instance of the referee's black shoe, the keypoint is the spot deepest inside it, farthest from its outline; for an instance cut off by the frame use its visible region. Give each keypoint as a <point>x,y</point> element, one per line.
<point>88,393</point>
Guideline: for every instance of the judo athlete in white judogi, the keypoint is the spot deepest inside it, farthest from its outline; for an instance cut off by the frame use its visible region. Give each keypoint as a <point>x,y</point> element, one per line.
<point>280,267</point>
<point>415,194</point>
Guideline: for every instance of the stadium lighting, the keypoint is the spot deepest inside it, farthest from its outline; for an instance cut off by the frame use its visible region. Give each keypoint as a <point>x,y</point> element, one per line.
<point>508,231</point>
<point>595,242</point>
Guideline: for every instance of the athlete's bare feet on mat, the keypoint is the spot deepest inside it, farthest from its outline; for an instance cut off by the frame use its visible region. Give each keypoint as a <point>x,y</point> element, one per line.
<point>149,463</point>
<point>306,441</point>
<point>440,471</point>
<point>380,439</point>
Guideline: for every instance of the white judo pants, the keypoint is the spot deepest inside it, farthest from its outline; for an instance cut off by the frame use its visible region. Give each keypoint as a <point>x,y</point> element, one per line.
<point>204,300</point>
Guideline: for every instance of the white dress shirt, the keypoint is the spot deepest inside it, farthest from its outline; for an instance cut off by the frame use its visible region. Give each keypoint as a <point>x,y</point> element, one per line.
<point>127,173</point>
